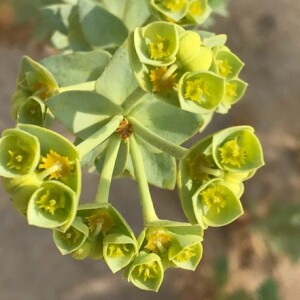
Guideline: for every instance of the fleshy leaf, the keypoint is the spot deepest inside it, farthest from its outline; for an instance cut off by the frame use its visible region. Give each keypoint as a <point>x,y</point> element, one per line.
<point>82,120</point>
<point>89,66</point>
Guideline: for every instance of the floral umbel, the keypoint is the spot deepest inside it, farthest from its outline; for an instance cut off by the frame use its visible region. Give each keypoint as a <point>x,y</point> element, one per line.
<point>130,97</point>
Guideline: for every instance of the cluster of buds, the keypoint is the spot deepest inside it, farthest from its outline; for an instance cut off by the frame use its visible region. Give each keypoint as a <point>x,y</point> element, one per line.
<point>130,112</point>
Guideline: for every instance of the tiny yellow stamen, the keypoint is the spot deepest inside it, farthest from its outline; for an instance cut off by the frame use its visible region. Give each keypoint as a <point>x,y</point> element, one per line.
<point>158,240</point>
<point>16,159</point>
<point>185,254</point>
<point>196,90</point>
<point>100,219</point>
<point>231,153</point>
<point>160,48</point>
<point>214,197</point>
<point>159,83</point>
<point>224,67</point>
<point>54,158</point>
<point>174,5</point>
<point>148,270</point>
<point>116,250</point>
<point>71,235</point>
<point>50,202</point>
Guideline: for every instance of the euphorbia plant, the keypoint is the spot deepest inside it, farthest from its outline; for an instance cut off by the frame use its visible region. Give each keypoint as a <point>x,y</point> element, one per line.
<point>130,111</point>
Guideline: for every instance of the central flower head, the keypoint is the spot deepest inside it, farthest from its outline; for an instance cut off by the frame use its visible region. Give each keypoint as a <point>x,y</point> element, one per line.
<point>213,196</point>
<point>160,48</point>
<point>50,202</point>
<point>158,240</point>
<point>231,153</point>
<point>124,130</point>
<point>54,159</point>
<point>148,270</point>
<point>224,67</point>
<point>100,220</point>
<point>161,84</point>
<point>117,250</point>
<point>196,90</point>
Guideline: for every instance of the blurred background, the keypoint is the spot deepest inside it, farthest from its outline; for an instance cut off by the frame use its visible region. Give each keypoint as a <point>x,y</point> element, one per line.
<point>256,257</point>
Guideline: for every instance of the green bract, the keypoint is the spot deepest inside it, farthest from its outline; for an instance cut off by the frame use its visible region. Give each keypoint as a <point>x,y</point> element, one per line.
<point>19,153</point>
<point>131,91</point>
<point>146,272</point>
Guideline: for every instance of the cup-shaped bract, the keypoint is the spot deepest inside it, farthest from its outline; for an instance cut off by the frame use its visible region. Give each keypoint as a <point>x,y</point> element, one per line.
<point>59,157</point>
<point>102,220</point>
<point>234,91</point>
<point>71,240</point>
<point>146,271</point>
<point>156,44</point>
<point>170,9</point>
<point>53,205</point>
<point>192,54</point>
<point>200,92</point>
<point>118,251</point>
<point>228,64</point>
<point>198,12</point>
<point>19,153</point>
<point>185,251</point>
<point>215,204</point>
<point>237,149</point>
<point>33,80</point>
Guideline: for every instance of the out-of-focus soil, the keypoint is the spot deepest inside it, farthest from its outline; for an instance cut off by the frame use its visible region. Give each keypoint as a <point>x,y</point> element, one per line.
<point>265,35</point>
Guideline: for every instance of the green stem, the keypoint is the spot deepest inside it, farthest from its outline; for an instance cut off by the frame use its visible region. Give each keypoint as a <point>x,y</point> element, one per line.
<point>108,169</point>
<point>85,86</point>
<point>170,71</point>
<point>49,171</point>
<point>148,210</point>
<point>99,136</point>
<point>157,141</point>
<point>210,171</point>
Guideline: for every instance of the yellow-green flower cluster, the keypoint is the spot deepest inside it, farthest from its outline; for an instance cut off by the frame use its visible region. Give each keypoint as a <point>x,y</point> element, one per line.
<point>184,12</point>
<point>43,182</point>
<point>197,74</point>
<point>212,173</point>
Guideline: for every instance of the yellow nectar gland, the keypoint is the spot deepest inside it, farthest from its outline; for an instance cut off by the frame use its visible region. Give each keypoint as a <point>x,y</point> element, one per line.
<point>158,240</point>
<point>148,270</point>
<point>160,48</point>
<point>161,84</point>
<point>185,254</point>
<point>100,219</point>
<point>71,235</point>
<point>230,91</point>
<point>41,89</point>
<point>50,202</point>
<point>16,159</point>
<point>53,159</point>
<point>117,250</point>
<point>124,130</point>
<point>197,8</point>
<point>224,67</point>
<point>231,153</point>
<point>196,90</point>
<point>174,5</point>
<point>214,197</point>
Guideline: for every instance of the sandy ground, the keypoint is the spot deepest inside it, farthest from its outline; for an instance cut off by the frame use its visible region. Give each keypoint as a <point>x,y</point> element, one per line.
<point>265,34</point>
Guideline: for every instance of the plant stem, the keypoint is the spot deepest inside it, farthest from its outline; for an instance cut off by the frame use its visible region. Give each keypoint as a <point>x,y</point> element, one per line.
<point>99,136</point>
<point>210,171</point>
<point>49,171</point>
<point>108,169</point>
<point>85,86</point>
<point>169,72</point>
<point>157,141</point>
<point>149,214</point>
